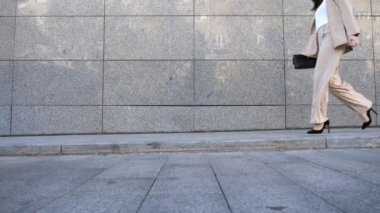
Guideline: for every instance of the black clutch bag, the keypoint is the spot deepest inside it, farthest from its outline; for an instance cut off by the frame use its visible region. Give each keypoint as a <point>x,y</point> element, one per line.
<point>303,62</point>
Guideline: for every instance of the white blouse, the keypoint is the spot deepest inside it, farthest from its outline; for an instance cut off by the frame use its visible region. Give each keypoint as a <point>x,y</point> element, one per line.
<point>321,15</point>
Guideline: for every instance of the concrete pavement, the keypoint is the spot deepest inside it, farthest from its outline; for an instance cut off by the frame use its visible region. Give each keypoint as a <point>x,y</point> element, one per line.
<point>328,180</point>
<point>188,142</point>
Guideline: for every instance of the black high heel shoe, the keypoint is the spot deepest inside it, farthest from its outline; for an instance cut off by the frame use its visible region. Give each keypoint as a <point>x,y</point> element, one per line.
<point>366,124</point>
<point>326,123</point>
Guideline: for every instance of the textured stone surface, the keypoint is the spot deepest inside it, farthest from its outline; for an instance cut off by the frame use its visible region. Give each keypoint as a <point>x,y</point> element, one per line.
<point>375,7</point>
<point>296,32</point>
<point>185,202</point>
<point>59,38</point>
<point>245,181</point>
<point>148,82</point>
<point>36,183</point>
<point>298,116</point>
<point>7,33</point>
<point>239,82</point>
<point>149,7</point>
<point>343,163</point>
<point>58,83</point>
<point>301,7</point>
<point>299,83</point>
<point>7,7</point>
<point>186,183</point>
<point>60,8</point>
<point>5,120</point>
<point>56,119</point>
<point>377,80</point>
<point>149,38</point>
<point>113,195</point>
<point>238,7</point>
<point>238,37</point>
<point>147,119</point>
<point>352,202</point>
<point>133,169</point>
<point>239,117</point>
<point>297,7</point>
<point>365,50</point>
<point>247,197</point>
<point>376,34</point>
<point>319,179</point>
<point>362,7</point>
<point>6,70</point>
<point>378,116</point>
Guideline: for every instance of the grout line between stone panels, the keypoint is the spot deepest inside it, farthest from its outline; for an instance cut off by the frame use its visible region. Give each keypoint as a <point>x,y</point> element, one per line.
<point>284,64</point>
<point>374,58</point>
<point>104,40</point>
<point>194,75</point>
<point>137,60</point>
<point>13,70</point>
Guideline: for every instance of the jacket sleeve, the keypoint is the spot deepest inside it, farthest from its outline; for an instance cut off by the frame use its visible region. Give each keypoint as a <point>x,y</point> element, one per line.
<point>347,14</point>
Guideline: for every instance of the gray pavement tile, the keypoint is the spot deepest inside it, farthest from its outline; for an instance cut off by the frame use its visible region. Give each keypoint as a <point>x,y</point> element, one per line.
<point>188,165</point>
<point>27,196</point>
<point>247,195</point>
<point>27,184</point>
<point>186,170</point>
<point>236,165</point>
<point>185,185</point>
<point>186,202</point>
<point>133,169</point>
<point>275,157</point>
<point>316,178</point>
<point>248,167</point>
<point>375,151</point>
<point>145,156</point>
<point>341,162</point>
<point>371,156</point>
<point>355,201</point>
<point>113,195</point>
<point>30,188</point>
<point>22,161</point>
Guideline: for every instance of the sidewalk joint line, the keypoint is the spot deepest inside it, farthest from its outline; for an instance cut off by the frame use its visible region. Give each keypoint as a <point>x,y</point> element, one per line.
<point>220,186</point>
<point>340,172</point>
<point>78,185</point>
<point>291,180</point>
<point>151,186</point>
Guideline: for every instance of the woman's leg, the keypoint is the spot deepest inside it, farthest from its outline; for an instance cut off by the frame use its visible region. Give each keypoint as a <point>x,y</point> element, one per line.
<point>327,64</point>
<point>347,94</point>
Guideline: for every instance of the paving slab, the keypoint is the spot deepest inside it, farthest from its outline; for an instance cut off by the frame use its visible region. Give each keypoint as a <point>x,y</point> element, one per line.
<point>342,163</point>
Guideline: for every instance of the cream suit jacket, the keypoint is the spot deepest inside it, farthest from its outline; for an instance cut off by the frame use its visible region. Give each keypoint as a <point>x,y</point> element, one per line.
<point>342,24</point>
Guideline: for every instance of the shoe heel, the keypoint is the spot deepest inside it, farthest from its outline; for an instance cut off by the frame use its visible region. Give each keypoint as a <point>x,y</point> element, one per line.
<point>374,111</point>
<point>328,126</point>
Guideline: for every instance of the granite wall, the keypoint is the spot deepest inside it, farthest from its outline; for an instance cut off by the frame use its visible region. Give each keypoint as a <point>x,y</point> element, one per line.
<point>112,66</point>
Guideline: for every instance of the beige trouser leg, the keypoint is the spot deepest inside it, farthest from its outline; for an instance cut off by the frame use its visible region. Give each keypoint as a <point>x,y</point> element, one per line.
<point>326,74</point>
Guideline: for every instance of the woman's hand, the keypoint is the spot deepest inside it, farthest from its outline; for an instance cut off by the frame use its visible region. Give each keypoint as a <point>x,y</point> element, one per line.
<point>353,41</point>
